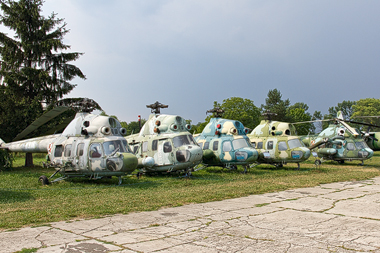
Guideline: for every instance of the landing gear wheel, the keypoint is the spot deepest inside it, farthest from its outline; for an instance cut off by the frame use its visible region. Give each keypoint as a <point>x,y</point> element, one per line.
<point>317,162</point>
<point>44,180</point>
<point>341,161</point>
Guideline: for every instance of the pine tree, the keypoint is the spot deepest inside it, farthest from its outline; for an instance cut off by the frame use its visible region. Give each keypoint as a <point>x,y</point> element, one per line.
<point>34,66</point>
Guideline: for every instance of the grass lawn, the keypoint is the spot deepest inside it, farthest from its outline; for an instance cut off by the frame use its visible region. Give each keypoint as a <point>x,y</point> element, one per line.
<point>24,202</point>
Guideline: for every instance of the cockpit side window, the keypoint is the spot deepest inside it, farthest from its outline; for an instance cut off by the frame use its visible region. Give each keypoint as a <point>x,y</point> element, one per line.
<point>154,145</point>
<point>200,145</point>
<point>254,144</point>
<point>167,147</point>
<point>282,146</point>
<point>227,146</point>
<point>95,150</point>
<point>350,146</point>
<point>215,145</point>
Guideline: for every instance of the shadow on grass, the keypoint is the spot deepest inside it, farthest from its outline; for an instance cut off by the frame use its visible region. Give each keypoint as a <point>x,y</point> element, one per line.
<point>9,196</point>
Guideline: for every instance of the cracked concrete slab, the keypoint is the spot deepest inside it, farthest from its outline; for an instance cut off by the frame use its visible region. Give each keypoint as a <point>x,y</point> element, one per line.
<point>337,217</point>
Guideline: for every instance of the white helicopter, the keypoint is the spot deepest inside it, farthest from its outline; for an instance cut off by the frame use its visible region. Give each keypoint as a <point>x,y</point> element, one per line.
<point>91,146</point>
<point>164,144</point>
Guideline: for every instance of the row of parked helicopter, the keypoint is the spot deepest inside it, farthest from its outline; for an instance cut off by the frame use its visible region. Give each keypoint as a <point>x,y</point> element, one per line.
<point>95,146</point>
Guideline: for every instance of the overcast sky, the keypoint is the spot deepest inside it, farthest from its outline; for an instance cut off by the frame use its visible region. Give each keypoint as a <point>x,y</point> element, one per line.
<point>190,53</point>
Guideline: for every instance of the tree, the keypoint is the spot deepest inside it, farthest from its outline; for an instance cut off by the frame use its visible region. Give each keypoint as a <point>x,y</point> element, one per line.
<point>367,107</point>
<point>34,68</point>
<point>243,110</point>
<point>346,107</point>
<point>276,105</point>
<point>299,115</point>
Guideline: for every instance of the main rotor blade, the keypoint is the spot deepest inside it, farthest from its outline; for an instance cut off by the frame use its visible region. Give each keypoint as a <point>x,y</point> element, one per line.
<point>60,126</point>
<point>312,121</point>
<point>40,121</point>
<point>361,123</point>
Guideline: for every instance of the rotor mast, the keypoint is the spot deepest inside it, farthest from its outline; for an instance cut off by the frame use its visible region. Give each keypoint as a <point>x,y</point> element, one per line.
<point>155,107</point>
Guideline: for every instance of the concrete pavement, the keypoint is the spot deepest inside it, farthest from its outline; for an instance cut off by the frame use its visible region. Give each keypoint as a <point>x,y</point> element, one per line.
<point>337,217</point>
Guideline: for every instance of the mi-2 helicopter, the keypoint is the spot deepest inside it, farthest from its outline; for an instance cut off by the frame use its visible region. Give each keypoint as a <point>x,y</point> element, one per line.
<point>164,144</point>
<point>338,142</point>
<point>277,143</point>
<point>225,143</point>
<point>91,146</point>
<point>372,138</point>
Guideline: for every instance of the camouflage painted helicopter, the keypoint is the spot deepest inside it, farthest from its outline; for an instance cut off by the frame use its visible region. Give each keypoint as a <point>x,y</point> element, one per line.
<point>277,143</point>
<point>164,144</point>
<point>224,143</point>
<point>372,138</point>
<point>338,142</point>
<point>90,146</point>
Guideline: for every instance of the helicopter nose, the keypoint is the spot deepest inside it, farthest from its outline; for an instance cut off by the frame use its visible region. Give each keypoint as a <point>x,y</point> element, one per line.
<point>370,152</point>
<point>252,155</point>
<point>306,153</point>
<point>196,154</point>
<point>129,162</point>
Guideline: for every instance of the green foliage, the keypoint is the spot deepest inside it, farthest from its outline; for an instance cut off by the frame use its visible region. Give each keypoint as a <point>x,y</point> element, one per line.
<point>346,107</point>
<point>6,159</point>
<point>299,115</point>
<point>34,68</point>
<point>243,110</point>
<point>367,107</point>
<point>275,104</point>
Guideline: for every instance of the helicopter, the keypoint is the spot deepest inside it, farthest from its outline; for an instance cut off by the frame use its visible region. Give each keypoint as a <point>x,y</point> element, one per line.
<point>277,143</point>
<point>164,144</point>
<point>338,142</point>
<point>224,143</point>
<point>372,138</point>
<point>90,146</point>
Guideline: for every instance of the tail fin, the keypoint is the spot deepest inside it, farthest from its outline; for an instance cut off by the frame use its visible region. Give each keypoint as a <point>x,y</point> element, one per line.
<point>339,115</point>
<point>1,142</point>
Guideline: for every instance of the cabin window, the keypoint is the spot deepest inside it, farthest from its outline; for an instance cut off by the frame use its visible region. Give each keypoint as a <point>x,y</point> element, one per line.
<point>282,146</point>
<point>154,145</point>
<point>167,147</point>
<point>361,145</point>
<point>260,145</point>
<point>58,151</point>
<point>295,143</point>
<point>181,140</point>
<point>67,150</point>
<point>80,149</point>
<point>207,145</point>
<point>95,150</point>
<point>145,146</point>
<point>240,143</point>
<point>115,146</point>
<point>215,145</point>
<point>227,146</point>
<point>270,145</point>
<point>350,146</point>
